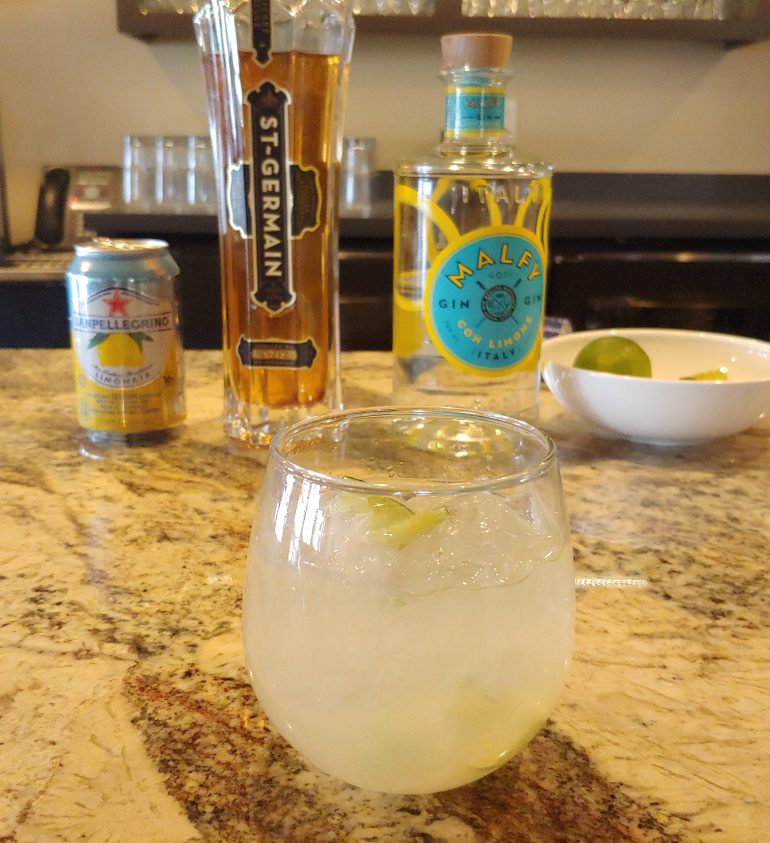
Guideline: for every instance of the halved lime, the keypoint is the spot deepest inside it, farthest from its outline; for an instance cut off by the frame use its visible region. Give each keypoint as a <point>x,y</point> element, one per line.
<point>617,355</point>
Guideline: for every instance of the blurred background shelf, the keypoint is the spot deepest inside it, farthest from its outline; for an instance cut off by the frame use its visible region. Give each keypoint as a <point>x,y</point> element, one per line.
<point>678,251</point>
<point>746,21</point>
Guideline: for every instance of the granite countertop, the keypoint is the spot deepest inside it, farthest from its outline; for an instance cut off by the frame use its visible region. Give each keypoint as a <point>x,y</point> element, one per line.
<point>125,713</point>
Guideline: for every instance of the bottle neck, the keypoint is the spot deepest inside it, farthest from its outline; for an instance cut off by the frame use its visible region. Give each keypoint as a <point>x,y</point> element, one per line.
<point>475,104</point>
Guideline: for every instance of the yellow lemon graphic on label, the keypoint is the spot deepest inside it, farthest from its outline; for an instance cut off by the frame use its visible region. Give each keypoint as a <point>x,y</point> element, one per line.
<point>408,330</point>
<point>120,350</point>
<point>408,325</point>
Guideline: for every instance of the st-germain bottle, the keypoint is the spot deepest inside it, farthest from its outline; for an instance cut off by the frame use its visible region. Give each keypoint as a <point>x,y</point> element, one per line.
<point>471,249</point>
<point>276,75</point>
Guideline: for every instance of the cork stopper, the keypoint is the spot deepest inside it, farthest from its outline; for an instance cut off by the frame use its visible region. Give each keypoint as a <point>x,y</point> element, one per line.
<point>476,49</point>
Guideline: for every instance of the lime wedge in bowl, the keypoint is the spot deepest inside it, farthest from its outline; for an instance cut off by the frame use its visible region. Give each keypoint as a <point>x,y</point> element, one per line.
<point>664,409</point>
<point>719,374</point>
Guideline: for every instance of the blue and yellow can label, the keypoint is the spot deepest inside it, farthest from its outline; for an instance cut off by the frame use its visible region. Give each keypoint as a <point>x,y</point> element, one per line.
<point>484,300</point>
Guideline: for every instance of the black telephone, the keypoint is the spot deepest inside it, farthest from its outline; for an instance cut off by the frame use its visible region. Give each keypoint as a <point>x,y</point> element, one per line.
<point>66,194</point>
<point>51,208</point>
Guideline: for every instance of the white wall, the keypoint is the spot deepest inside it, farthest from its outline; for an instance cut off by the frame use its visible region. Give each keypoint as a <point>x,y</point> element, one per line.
<point>71,86</point>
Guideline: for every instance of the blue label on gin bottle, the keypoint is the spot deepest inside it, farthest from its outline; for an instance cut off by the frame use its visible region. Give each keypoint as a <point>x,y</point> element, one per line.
<point>475,110</point>
<point>484,300</point>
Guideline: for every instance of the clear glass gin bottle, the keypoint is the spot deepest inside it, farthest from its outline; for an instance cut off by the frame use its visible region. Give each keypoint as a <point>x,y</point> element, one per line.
<point>471,249</point>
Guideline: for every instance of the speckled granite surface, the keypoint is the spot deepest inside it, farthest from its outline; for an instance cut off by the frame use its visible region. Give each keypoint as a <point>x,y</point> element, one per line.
<point>125,714</point>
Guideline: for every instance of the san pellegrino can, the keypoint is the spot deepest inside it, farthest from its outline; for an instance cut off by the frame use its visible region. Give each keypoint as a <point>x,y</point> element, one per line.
<point>125,334</point>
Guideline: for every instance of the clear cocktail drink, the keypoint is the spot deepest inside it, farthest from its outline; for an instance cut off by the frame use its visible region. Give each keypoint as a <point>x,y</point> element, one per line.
<point>409,633</point>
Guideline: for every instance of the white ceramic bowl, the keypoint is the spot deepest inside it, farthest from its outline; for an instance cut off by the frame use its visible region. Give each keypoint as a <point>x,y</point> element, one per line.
<point>664,410</point>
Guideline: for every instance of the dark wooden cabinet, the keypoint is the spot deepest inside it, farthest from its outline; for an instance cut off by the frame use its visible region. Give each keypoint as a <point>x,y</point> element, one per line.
<point>33,314</point>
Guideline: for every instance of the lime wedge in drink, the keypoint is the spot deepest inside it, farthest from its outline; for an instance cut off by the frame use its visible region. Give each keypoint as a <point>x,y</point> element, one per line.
<point>387,511</point>
<point>617,355</point>
<point>401,532</point>
<point>393,521</point>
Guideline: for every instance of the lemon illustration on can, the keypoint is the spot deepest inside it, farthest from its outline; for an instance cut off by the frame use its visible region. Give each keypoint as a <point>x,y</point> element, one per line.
<point>120,349</point>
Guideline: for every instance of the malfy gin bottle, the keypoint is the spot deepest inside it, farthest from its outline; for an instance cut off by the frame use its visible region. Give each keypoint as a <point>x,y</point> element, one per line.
<point>471,249</point>
<point>276,76</point>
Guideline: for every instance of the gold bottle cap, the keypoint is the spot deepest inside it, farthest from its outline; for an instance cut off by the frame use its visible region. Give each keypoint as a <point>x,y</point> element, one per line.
<point>476,49</point>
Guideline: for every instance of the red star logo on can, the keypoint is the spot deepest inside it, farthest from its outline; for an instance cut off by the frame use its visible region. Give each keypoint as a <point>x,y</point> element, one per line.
<point>117,304</point>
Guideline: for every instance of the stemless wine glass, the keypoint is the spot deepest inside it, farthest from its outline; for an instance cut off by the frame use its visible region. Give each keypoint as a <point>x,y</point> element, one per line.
<point>409,605</point>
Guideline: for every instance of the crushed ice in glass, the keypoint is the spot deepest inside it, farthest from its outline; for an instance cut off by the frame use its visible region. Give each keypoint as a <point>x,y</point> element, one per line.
<point>487,540</point>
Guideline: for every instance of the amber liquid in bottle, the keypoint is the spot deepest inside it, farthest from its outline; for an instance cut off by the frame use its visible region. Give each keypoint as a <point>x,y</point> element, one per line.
<point>312,81</point>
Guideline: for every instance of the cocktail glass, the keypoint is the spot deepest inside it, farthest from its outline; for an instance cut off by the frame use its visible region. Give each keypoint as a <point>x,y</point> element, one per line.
<point>409,605</point>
